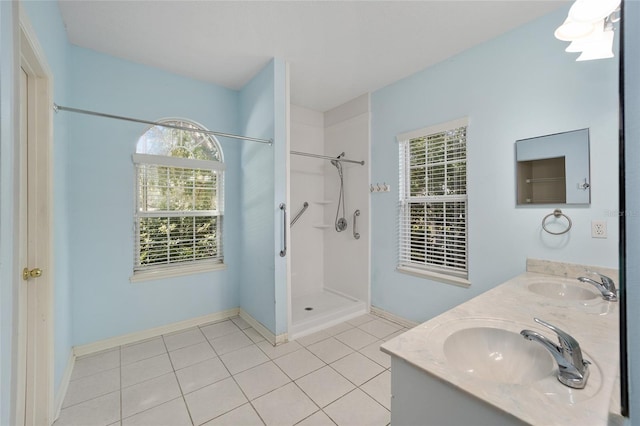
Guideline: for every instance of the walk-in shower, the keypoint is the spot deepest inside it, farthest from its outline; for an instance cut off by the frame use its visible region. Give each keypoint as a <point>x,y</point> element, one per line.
<point>329,267</point>
<point>319,299</point>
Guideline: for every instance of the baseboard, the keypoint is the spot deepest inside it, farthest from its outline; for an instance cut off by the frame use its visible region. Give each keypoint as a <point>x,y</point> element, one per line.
<point>152,332</point>
<point>64,385</point>
<point>299,331</point>
<point>264,331</point>
<point>393,318</point>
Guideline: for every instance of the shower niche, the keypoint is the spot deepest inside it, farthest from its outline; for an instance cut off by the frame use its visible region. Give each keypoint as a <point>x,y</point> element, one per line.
<point>321,204</point>
<point>329,171</point>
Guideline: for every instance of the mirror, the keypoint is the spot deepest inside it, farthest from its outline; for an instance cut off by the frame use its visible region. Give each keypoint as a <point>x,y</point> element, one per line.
<point>553,169</point>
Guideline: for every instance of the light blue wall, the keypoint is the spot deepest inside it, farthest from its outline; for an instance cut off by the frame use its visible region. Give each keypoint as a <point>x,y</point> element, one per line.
<point>519,85</point>
<point>263,109</point>
<point>8,127</point>
<point>101,197</point>
<point>281,157</point>
<point>95,192</point>
<point>258,210</point>
<point>47,23</point>
<point>632,156</point>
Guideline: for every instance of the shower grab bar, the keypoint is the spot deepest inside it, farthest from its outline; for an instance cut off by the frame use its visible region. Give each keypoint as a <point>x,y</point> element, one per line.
<point>356,234</point>
<point>304,208</point>
<point>283,207</point>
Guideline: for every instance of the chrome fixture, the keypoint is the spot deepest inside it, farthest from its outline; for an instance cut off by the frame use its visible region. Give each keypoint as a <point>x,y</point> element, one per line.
<point>283,208</point>
<point>356,234</point>
<point>326,157</point>
<point>380,188</point>
<point>573,370</point>
<point>557,213</point>
<point>606,286</point>
<point>341,222</point>
<point>57,108</point>
<point>589,28</point>
<point>302,210</point>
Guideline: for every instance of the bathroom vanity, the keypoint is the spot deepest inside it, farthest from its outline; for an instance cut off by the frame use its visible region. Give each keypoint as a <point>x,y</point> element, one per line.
<point>471,366</point>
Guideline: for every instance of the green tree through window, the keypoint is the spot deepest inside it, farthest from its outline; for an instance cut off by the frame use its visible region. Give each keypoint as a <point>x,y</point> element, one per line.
<point>433,201</point>
<point>179,177</point>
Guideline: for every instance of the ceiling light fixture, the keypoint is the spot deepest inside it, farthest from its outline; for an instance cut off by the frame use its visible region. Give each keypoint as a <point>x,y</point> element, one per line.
<point>589,28</point>
<point>571,30</point>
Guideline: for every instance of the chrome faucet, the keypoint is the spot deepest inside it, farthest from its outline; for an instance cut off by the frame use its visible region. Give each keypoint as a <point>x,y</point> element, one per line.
<point>573,370</point>
<point>606,286</point>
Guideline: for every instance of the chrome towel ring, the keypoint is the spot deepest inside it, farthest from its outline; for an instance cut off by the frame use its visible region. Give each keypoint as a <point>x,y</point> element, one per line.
<point>557,213</point>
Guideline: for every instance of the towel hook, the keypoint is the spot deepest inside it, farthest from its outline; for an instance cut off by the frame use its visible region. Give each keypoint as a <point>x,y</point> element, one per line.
<point>557,213</point>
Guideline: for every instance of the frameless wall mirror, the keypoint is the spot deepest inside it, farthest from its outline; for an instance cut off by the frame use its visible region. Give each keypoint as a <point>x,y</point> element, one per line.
<point>553,169</point>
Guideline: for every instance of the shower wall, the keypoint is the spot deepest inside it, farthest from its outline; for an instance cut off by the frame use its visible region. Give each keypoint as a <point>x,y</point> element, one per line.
<point>307,184</point>
<point>346,258</point>
<point>322,258</point>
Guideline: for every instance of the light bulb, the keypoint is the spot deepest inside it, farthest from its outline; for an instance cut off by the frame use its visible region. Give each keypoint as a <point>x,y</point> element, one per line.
<point>601,49</point>
<point>581,44</point>
<point>571,30</point>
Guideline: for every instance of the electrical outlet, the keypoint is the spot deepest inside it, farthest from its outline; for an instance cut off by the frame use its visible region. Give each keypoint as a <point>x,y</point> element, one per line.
<point>598,229</point>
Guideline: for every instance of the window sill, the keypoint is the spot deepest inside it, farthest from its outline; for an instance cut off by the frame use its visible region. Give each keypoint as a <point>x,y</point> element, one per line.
<point>176,271</point>
<point>443,278</point>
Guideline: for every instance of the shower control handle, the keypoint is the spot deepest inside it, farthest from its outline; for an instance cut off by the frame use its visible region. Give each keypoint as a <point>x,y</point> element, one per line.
<point>283,207</point>
<point>356,234</point>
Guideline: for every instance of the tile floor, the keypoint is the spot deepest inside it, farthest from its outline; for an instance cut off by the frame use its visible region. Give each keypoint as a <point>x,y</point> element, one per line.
<point>225,373</point>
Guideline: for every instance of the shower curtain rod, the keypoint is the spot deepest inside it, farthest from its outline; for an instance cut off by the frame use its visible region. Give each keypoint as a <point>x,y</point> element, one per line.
<point>57,108</point>
<point>326,157</point>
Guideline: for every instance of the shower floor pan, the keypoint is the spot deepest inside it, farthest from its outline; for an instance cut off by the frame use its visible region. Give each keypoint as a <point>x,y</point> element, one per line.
<point>316,311</point>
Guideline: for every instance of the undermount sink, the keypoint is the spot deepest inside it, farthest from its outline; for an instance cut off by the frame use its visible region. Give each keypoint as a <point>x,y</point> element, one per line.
<point>562,291</point>
<point>497,355</point>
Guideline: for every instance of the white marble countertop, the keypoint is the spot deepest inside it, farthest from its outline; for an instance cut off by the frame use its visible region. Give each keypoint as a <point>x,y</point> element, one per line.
<point>511,305</point>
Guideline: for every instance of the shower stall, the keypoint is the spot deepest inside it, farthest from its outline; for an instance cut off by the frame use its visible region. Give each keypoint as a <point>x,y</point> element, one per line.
<point>329,207</point>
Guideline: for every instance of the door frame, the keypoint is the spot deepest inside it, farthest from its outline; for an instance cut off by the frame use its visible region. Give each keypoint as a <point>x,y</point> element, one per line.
<point>34,354</point>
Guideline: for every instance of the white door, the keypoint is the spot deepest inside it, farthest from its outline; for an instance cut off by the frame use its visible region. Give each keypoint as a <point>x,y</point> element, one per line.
<point>35,292</point>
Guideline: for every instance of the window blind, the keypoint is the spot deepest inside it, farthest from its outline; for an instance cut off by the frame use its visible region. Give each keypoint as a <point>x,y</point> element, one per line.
<point>433,201</point>
<point>178,216</point>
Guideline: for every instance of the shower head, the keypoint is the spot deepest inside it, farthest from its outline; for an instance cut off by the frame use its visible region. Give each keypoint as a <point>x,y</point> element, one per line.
<point>336,163</point>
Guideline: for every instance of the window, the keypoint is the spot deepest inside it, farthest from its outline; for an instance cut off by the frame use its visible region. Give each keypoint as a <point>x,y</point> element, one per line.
<point>179,201</point>
<point>433,202</point>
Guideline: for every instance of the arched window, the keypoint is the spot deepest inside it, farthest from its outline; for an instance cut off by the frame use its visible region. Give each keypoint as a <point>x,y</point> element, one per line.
<point>179,200</point>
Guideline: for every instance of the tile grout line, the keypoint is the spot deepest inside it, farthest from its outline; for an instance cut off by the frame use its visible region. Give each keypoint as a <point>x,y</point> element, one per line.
<point>341,375</point>
<point>291,381</point>
<point>94,397</point>
<point>176,376</point>
<point>325,337</point>
<point>232,376</point>
<point>164,374</point>
<point>371,396</point>
<point>296,385</point>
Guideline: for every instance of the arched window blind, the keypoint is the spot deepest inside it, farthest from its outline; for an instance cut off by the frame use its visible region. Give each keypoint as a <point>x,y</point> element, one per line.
<point>179,198</point>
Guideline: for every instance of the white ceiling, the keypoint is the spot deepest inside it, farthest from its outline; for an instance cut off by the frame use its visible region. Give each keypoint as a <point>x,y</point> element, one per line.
<point>337,49</point>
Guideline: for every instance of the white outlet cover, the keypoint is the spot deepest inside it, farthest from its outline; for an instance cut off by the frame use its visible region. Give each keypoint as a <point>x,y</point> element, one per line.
<point>598,229</point>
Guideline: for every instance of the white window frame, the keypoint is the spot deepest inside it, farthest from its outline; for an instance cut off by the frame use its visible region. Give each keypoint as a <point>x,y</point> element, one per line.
<point>447,274</point>
<point>167,270</point>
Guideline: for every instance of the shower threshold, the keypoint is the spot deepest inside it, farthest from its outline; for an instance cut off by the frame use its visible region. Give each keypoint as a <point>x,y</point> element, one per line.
<point>319,310</point>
